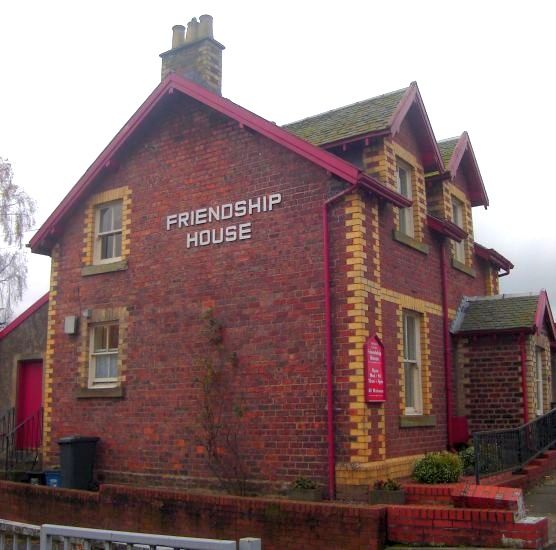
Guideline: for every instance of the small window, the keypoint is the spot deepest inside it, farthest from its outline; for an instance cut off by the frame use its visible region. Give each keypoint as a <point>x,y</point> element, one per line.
<point>412,362</point>
<point>458,209</point>
<point>404,178</point>
<point>538,385</point>
<point>103,364</point>
<point>108,232</point>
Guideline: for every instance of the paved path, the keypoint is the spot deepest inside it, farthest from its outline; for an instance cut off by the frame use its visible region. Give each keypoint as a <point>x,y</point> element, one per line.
<point>541,501</point>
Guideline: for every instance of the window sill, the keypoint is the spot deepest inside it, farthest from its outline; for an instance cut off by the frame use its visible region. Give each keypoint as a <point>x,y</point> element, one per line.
<point>417,421</point>
<point>410,241</point>
<point>463,268</point>
<point>120,265</point>
<point>88,393</point>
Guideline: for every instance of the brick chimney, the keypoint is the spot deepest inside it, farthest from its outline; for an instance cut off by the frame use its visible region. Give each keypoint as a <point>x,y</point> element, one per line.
<point>195,55</point>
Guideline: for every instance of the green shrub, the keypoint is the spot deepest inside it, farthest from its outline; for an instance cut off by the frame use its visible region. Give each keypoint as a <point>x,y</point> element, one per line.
<point>467,456</point>
<point>441,467</point>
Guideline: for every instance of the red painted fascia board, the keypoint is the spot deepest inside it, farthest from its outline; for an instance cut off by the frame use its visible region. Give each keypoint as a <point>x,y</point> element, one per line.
<point>493,257</point>
<point>24,316</point>
<point>446,228</point>
<point>457,154</point>
<point>326,160</point>
<point>94,170</point>
<point>479,195</point>
<point>412,95</point>
<point>383,192</point>
<point>539,313</point>
<point>402,109</point>
<point>478,183</point>
<point>544,312</point>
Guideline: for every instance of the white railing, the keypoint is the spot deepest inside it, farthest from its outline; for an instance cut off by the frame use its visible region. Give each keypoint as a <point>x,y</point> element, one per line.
<point>18,534</point>
<point>60,537</point>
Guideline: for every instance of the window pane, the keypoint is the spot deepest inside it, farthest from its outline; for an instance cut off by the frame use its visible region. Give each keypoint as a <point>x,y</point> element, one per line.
<point>105,215</point>
<point>113,337</point>
<point>106,247</point>
<point>117,245</point>
<point>457,212</point>
<point>102,364</point>
<point>113,365</point>
<point>117,213</point>
<point>404,182</point>
<point>410,340</point>
<point>406,221</point>
<point>106,366</point>
<point>409,371</point>
<point>460,251</point>
<point>100,338</point>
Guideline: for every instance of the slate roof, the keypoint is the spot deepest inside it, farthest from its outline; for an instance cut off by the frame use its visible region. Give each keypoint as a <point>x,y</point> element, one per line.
<point>446,148</point>
<point>360,118</point>
<point>496,313</point>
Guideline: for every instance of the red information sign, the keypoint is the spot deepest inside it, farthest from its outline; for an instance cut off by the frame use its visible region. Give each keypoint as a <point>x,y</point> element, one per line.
<point>375,385</point>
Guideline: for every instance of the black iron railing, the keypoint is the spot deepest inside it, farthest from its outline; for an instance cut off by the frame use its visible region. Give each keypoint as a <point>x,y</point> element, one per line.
<point>7,422</point>
<point>21,446</point>
<point>504,450</point>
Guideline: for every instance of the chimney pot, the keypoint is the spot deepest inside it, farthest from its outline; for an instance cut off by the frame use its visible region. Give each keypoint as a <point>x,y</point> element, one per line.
<point>205,26</point>
<point>192,31</point>
<point>195,54</point>
<point>178,36</point>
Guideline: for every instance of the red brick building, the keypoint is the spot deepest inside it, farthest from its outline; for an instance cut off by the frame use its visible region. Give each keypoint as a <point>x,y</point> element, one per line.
<point>210,264</point>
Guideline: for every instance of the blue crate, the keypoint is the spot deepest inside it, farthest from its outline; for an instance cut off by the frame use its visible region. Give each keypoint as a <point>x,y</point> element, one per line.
<point>52,478</point>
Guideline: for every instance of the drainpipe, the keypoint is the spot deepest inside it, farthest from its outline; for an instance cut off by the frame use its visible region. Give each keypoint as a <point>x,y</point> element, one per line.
<point>524,377</point>
<point>329,364</point>
<point>447,341</point>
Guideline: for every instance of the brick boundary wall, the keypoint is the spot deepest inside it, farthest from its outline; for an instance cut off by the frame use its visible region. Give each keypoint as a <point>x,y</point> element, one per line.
<point>435,525</point>
<point>450,514</point>
<point>465,514</point>
<point>279,523</point>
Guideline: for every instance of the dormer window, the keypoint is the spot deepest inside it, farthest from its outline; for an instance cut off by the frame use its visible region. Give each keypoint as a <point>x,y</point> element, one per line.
<point>404,174</point>
<point>108,232</point>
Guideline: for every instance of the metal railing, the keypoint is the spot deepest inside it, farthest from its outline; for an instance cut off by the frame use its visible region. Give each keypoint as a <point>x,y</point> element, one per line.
<point>503,450</point>
<point>18,535</point>
<point>72,538</point>
<point>7,422</point>
<point>21,445</point>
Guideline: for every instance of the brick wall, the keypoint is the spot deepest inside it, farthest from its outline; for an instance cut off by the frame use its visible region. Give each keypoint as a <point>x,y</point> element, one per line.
<point>490,369</point>
<point>267,292</point>
<point>280,524</point>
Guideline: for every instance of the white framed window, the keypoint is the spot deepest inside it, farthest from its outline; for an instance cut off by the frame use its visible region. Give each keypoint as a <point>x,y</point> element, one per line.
<point>103,354</point>
<point>108,232</point>
<point>404,174</point>
<point>458,217</point>
<point>538,382</point>
<point>412,362</point>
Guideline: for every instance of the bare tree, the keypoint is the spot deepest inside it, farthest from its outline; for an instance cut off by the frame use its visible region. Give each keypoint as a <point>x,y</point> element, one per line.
<point>17,211</point>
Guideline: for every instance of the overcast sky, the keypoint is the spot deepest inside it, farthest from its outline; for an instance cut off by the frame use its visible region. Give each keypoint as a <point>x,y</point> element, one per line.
<point>73,72</point>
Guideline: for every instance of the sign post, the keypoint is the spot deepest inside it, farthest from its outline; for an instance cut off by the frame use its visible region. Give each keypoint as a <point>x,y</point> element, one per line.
<point>375,383</point>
